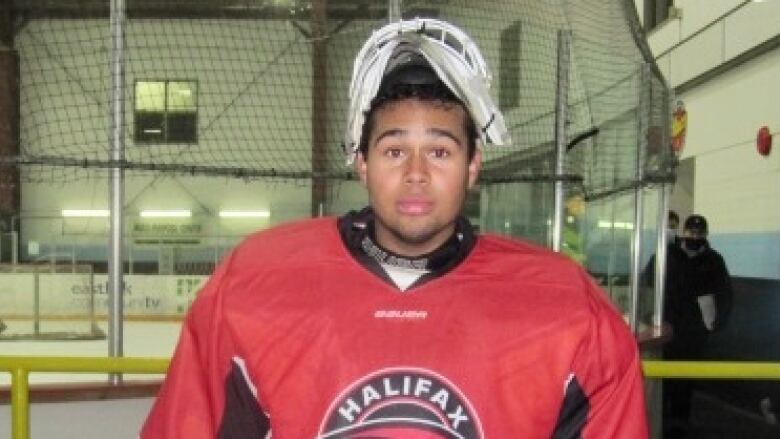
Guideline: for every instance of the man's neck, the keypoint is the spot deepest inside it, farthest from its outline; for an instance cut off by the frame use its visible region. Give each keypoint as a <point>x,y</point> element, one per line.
<point>356,229</point>
<point>399,246</point>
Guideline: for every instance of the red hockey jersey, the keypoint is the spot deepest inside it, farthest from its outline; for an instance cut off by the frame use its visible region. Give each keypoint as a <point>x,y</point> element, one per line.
<point>292,337</point>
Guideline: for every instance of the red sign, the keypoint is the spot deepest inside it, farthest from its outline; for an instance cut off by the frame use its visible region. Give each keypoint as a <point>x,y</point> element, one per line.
<point>764,141</point>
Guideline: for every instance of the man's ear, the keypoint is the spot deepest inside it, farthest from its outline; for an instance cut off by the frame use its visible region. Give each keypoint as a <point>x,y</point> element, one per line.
<point>361,166</point>
<point>474,167</point>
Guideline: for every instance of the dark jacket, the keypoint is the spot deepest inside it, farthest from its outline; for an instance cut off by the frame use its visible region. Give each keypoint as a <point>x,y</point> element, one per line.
<point>687,278</point>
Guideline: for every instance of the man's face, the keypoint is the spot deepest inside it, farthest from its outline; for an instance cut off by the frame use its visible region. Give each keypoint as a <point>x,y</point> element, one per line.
<point>693,241</point>
<point>417,173</point>
<point>693,234</point>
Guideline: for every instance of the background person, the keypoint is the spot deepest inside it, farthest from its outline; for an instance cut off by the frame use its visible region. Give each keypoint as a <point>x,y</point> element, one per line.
<point>674,255</point>
<point>698,302</point>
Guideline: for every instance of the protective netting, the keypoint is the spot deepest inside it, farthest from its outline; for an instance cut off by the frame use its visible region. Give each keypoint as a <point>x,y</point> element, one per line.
<point>257,88</point>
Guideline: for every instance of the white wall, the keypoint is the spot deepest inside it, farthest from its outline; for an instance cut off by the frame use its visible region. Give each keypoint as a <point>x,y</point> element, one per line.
<point>729,32</point>
<point>681,199</point>
<point>734,187</point>
<point>734,184</point>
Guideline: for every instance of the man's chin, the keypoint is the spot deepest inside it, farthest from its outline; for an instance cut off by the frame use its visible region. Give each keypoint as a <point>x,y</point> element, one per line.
<point>413,236</point>
<point>417,236</point>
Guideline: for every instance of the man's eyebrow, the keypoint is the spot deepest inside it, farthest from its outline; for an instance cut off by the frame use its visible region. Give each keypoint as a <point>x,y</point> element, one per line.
<point>393,132</point>
<point>438,132</point>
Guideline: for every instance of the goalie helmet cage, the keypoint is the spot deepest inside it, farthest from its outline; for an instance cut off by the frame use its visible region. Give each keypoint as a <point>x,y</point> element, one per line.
<point>226,88</point>
<point>48,302</point>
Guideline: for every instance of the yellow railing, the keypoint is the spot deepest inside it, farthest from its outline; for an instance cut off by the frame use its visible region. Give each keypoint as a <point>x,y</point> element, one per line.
<point>20,368</point>
<point>726,370</point>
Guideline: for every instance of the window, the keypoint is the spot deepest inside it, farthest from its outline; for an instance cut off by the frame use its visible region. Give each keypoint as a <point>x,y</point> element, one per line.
<point>166,112</point>
<point>510,55</point>
<point>656,12</point>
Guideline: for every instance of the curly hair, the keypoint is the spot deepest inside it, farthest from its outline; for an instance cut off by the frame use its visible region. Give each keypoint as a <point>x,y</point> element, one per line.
<point>437,94</point>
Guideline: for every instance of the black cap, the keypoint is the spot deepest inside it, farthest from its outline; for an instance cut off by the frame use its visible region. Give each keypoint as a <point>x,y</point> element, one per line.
<point>407,66</point>
<point>696,223</point>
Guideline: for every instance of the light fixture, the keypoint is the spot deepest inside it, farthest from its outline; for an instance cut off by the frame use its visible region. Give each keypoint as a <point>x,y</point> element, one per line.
<point>244,214</point>
<point>616,225</point>
<point>86,213</point>
<point>181,213</point>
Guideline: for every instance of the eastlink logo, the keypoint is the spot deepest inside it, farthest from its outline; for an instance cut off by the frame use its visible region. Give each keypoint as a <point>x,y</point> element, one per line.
<point>400,314</point>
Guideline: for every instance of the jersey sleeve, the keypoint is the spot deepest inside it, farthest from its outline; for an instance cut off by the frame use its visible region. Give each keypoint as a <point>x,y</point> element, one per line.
<point>192,398</point>
<point>608,370</point>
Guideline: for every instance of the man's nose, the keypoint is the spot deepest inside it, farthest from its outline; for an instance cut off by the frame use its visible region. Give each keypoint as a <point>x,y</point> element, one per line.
<point>416,168</point>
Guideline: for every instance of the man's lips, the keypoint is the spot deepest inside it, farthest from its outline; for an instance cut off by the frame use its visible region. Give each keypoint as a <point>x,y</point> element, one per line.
<point>414,206</point>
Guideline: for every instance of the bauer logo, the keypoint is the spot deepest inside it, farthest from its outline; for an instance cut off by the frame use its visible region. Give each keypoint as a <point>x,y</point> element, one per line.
<point>394,314</point>
<point>401,403</point>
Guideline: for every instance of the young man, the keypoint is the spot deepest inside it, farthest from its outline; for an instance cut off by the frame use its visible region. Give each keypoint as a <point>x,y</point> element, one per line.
<point>698,302</point>
<point>397,321</point>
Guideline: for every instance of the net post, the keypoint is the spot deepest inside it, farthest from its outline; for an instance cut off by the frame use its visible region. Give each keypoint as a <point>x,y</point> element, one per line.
<point>94,328</point>
<point>14,246</point>
<point>36,302</point>
<point>636,241</point>
<point>561,102</point>
<point>394,10</point>
<point>660,255</point>
<point>116,265</point>
<point>667,171</point>
<point>319,105</point>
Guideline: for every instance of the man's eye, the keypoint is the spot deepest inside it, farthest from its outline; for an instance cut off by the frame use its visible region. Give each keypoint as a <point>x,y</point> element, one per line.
<point>440,153</point>
<point>394,153</point>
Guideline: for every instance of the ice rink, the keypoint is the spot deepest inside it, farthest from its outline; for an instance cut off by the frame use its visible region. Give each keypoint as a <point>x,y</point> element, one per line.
<point>141,339</point>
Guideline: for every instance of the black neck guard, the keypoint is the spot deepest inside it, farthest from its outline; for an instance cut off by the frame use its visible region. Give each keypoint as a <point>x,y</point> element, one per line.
<point>357,232</point>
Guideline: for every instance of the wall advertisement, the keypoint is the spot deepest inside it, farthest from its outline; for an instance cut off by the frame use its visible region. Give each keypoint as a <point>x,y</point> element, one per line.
<point>63,295</point>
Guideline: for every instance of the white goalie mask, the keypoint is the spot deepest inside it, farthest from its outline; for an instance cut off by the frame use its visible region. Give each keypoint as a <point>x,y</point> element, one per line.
<point>442,47</point>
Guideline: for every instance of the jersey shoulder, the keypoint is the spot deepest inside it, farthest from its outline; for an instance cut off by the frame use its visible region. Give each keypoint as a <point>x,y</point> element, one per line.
<point>526,265</point>
<point>510,252</point>
<point>304,240</point>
